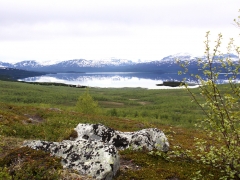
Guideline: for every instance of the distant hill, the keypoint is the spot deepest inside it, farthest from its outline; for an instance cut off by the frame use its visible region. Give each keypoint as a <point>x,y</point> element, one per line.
<point>166,65</point>
<point>15,74</point>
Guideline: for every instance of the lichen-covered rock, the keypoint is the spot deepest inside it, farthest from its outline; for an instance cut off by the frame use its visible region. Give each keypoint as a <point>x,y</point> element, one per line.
<point>151,138</point>
<point>94,151</point>
<point>93,158</point>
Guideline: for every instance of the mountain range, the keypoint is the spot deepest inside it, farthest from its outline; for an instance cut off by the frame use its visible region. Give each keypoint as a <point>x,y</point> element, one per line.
<point>166,65</point>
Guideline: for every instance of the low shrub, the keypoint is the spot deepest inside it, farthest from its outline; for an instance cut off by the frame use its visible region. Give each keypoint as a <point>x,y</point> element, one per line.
<point>26,163</point>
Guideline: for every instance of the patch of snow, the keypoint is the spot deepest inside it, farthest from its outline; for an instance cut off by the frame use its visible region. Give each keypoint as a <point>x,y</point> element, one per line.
<point>182,54</point>
<point>48,62</point>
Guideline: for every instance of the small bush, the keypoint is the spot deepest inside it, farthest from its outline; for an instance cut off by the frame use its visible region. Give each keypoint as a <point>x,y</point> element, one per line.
<point>113,112</point>
<point>87,105</point>
<point>220,107</point>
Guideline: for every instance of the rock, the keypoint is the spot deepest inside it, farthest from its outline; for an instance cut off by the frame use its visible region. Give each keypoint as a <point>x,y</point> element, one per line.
<point>94,158</point>
<point>151,138</point>
<point>94,150</point>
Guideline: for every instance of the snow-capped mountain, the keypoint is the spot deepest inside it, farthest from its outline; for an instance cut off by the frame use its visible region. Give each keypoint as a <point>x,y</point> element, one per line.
<point>166,65</point>
<point>4,64</point>
<point>94,63</point>
<point>27,64</point>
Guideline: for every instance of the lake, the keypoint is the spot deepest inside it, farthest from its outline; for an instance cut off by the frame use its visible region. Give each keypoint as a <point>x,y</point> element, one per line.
<point>114,79</point>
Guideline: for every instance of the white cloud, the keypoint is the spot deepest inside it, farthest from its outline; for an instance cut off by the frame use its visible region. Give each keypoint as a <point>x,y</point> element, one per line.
<point>93,29</point>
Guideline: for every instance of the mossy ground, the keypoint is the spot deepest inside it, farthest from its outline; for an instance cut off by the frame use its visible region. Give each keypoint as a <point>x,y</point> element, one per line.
<point>48,113</point>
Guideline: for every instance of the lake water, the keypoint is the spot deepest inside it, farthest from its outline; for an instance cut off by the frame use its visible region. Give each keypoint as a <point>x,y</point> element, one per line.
<point>113,79</point>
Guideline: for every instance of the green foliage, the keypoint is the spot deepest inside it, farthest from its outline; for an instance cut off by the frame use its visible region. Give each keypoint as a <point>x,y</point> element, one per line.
<point>113,112</point>
<point>157,165</point>
<point>49,113</point>
<point>86,104</point>
<point>128,102</point>
<point>4,174</point>
<point>221,110</point>
<point>55,124</point>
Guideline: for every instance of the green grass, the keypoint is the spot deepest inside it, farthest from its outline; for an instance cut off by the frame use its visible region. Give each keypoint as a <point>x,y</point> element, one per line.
<point>155,106</point>
<point>29,111</point>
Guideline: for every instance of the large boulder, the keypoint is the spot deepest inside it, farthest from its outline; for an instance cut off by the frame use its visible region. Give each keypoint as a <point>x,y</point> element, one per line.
<point>94,151</point>
<point>151,138</point>
<point>89,157</point>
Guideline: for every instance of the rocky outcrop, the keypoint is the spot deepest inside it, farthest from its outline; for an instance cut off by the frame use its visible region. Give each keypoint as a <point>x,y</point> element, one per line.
<point>151,138</point>
<point>94,152</point>
<point>90,157</point>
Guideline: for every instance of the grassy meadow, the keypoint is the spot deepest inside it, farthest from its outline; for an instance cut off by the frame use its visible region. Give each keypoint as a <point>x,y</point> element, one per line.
<point>30,111</point>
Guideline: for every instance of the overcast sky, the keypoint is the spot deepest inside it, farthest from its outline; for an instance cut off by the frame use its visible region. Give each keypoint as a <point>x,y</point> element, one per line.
<point>56,30</point>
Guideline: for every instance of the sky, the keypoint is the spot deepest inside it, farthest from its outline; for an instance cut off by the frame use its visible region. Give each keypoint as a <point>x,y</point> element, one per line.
<point>57,30</point>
